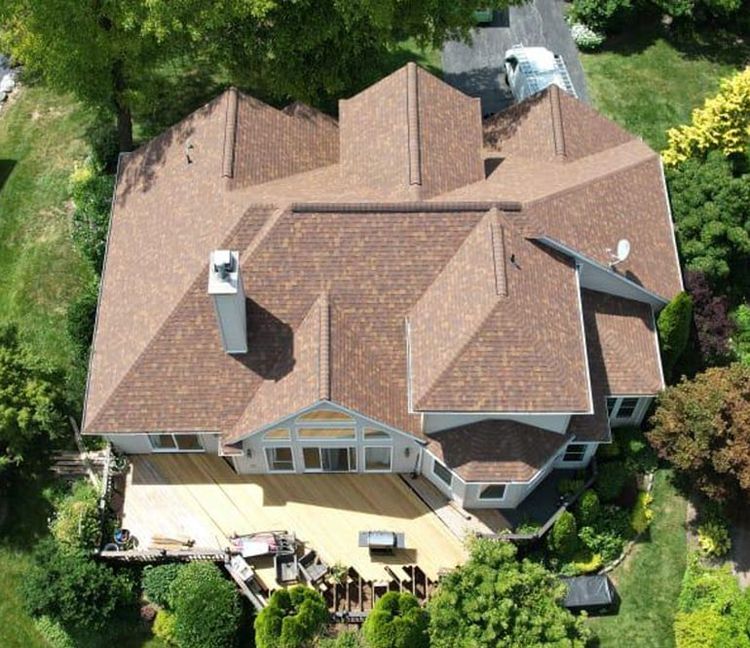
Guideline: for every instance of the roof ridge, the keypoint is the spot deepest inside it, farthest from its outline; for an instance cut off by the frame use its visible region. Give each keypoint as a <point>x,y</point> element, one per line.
<point>230,133</point>
<point>558,130</point>
<point>413,206</point>
<point>412,122</point>
<point>497,232</point>
<point>324,349</point>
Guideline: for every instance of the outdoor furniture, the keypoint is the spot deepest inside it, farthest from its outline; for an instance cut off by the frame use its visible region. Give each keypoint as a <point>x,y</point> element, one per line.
<point>312,568</point>
<point>287,567</point>
<point>243,570</point>
<point>590,593</point>
<point>264,543</point>
<point>381,542</point>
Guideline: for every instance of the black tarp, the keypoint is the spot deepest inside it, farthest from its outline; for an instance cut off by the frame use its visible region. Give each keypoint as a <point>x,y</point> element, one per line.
<point>588,592</point>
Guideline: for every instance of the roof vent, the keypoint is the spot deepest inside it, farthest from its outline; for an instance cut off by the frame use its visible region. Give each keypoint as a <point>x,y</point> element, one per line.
<point>225,286</point>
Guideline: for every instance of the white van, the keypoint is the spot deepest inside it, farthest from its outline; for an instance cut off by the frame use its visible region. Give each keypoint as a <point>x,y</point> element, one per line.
<point>529,70</point>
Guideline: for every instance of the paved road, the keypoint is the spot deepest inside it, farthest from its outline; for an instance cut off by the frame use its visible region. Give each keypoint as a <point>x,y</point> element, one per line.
<point>477,68</point>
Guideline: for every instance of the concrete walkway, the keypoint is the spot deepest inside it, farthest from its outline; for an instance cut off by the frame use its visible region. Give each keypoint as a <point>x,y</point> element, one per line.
<point>477,69</point>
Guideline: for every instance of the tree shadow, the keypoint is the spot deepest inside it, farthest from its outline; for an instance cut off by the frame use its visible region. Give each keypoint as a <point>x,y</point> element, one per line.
<point>6,168</point>
<point>28,509</point>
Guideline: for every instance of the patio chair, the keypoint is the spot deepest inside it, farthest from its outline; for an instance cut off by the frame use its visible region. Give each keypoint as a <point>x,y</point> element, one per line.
<point>312,567</point>
<point>287,567</point>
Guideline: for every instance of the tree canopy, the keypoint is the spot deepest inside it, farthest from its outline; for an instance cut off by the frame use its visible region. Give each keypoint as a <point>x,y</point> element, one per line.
<point>31,403</point>
<point>397,621</point>
<point>702,426</point>
<point>495,599</point>
<point>674,325</point>
<point>293,617</point>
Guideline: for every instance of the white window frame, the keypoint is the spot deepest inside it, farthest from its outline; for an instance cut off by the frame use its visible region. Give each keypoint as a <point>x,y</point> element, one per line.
<point>351,451</point>
<point>585,447</point>
<point>176,448</point>
<point>635,417</point>
<point>272,470</point>
<point>485,485</point>
<point>389,448</point>
<point>436,462</point>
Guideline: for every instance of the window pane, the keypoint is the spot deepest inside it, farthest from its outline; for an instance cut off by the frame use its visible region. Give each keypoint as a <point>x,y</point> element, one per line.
<point>312,458</point>
<point>335,459</point>
<point>627,407</point>
<point>611,402</point>
<point>326,433</point>
<point>280,458</point>
<point>442,472</point>
<point>325,415</point>
<point>494,491</point>
<point>353,459</point>
<point>188,442</point>
<point>372,433</point>
<point>278,433</point>
<point>377,458</point>
<point>162,441</point>
<point>575,452</point>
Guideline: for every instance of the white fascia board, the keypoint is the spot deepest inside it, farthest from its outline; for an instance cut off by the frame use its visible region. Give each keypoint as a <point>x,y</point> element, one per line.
<point>671,221</point>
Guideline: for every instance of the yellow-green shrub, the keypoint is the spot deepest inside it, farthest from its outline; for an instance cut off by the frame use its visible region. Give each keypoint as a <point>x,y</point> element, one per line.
<point>713,538</point>
<point>586,562</point>
<point>642,514</point>
<point>723,123</point>
<point>164,625</point>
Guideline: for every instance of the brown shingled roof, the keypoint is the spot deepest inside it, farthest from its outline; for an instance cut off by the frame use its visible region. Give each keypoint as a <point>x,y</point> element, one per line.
<point>337,253</point>
<point>496,451</point>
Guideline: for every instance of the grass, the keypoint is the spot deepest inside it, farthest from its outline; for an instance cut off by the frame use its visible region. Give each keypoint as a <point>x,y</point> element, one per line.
<point>649,81</point>
<point>41,136</point>
<point>650,578</point>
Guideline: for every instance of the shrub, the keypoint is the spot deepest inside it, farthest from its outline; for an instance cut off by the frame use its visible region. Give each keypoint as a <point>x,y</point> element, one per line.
<point>608,451</point>
<point>586,562</point>
<point>741,339</point>
<point>70,587</point>
<point>563,537</point>
<point>635,450</point>
<point>91,192</point>
<point>642,513</point>
<point>610,481</point>
<point>53,633</point>
<point>722,123</point>
<point>77,520</point>
<point>396,621</point>
<point>206,607</point>
<point>599,15</point>
<point>674,325</point>
<point>585,37</point>
<point>569,486</point>
<point>293,617</point>
<point>157,581</point>
<point>702,426</point>
<point>80,317</point>
<point>350,639</point>
<point>713,539</point>
<point>608,534</point>
<point>713,326</point>
<point>588,508</point>
<point>164,626</point>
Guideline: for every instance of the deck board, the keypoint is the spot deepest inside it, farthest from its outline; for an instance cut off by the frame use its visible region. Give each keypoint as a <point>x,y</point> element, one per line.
<point>200,496</point>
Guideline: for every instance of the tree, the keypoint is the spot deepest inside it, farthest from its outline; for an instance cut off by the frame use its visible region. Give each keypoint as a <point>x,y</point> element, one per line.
<point>711,207</point>
<point>702,426</point>
<point>713,325</point>
<point>157,582</point>
<point>674,329</point>
<point>723,123</point>
<point>397,621</point>
<point>31,404</point>
<point>206,607</point>
<point>494,599</point>
<point>293,617</point>
<point>563,538</point>
<point>77,521</point>
<point>69,586</point>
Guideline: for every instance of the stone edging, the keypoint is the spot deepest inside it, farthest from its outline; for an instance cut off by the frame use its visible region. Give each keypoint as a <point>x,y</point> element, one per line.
<point>649,481</point>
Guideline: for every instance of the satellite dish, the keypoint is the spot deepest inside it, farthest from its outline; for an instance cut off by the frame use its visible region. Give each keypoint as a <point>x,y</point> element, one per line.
<point>622,253</point>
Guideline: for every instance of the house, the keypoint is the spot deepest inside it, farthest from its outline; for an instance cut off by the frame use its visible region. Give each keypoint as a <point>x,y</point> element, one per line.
<point>408,289</point>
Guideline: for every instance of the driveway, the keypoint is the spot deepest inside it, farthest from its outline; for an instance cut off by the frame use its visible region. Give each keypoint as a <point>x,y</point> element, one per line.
<point>476,68</point>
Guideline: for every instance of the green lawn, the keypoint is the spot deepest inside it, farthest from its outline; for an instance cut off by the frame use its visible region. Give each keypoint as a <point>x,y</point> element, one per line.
<point>649,580</point>
<point>649,83</point>
<point>40,271</point>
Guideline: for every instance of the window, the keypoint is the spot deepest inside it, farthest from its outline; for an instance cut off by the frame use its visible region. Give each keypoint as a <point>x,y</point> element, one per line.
<point>611,402</point>
<point>330,459</point>
<point>280,459</point>
<point>372,433</point>
<point>325,415</point>
<point>175,442</point>
<point>277,434</point>
<point>574,452</point>
<point>493,492</point>
<point>627,408</point>
<point>442,473</point>
<point>325,433</point>
<point>377,459</point>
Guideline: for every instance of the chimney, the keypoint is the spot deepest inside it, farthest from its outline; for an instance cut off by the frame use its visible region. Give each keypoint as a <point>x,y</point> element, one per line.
<point>225,286</point>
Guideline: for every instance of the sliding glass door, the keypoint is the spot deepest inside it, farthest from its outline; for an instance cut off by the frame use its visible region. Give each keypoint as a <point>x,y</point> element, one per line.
<point>319,459</point>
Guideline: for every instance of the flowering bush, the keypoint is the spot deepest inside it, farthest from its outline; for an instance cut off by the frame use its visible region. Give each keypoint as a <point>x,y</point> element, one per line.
<point>642,514</point>
<point>585,37</point>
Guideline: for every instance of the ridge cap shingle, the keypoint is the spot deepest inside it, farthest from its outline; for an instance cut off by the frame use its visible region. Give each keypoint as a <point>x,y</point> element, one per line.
<point>324,349</point>
<point>230,133</point>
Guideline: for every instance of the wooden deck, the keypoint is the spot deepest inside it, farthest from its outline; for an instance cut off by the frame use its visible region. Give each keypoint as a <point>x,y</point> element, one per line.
<point>201,497</point>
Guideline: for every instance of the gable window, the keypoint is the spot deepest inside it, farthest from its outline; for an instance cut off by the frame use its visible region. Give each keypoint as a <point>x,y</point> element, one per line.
<point>325,415</point>
<point>492,492</point>
<point>377,459</point>
<point>442,472</point>
<point>280,459</point>
<point>162,442</point>
<point>325,433</point>
<point>373,433</point>
<point>574,452</point>
<point>277,434</point>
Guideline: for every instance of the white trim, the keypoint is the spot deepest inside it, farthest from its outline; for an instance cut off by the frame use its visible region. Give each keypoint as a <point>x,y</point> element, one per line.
<point>270,470</point>
<point>584,341</point>
<point>670,218</point>
<point>561,247</point>
<point>176,449</point>
<point>376,447</point>
<point>658,350</point>
<point>482,485</point>
<point>322,470</point>
<point>437,462</point>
